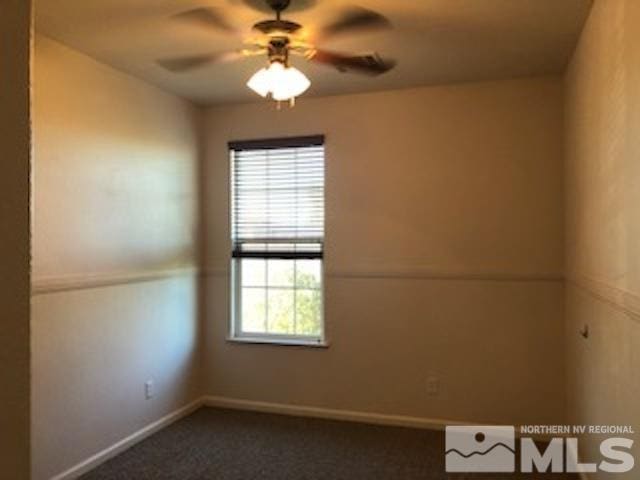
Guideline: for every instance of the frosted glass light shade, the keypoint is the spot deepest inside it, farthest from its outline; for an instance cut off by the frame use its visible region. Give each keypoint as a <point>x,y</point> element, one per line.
<point>283,83</point>
<point>260,82</point>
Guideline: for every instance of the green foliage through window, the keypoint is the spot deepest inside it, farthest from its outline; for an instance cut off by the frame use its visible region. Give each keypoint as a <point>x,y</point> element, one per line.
<point>282,297</point>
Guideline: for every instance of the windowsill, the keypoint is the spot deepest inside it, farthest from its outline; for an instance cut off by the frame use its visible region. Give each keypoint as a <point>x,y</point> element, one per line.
<point>286,342</point>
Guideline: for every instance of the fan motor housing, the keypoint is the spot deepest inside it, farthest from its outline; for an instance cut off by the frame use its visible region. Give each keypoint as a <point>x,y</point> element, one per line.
<point>269,27</point>
<point>279,50</point>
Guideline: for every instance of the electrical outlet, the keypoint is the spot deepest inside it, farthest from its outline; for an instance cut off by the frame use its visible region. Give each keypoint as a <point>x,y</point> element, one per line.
<point>148,389</point>
<point>433,386</point>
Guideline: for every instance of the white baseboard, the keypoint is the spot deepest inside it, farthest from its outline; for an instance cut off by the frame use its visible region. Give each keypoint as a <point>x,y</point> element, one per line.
<point>345,415</point>
<point>438,424</point>
<point>104,455</point>
<point>329,413</point>
<point>266,407</point>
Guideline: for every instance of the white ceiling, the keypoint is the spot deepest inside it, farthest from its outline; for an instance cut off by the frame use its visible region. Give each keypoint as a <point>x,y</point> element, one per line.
<point>434,41</point>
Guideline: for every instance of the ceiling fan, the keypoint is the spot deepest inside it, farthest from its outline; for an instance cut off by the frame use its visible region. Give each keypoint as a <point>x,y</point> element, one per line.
<point>279,39</point>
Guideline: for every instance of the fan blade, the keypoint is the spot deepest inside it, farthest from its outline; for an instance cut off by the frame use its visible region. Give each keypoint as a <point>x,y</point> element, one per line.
<point>356,19</point>
<point>371,64</point>
<point>206,17</point>
<point>185,64</point>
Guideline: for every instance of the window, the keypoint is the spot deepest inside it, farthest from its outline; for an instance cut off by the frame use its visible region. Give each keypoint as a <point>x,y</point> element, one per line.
<point>277,229</point>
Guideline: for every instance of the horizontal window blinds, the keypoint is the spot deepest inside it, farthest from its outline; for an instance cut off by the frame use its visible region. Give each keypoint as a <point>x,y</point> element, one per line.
<point>278,198</point>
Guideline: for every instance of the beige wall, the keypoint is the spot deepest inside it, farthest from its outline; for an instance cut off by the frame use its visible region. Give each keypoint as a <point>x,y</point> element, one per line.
<point>115,203</point>
<point>444,247</point>
<point>603,227</point>
<point>15,144</point>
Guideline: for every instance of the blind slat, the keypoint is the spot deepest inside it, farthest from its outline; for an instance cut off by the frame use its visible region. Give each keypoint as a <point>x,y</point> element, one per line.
<point>278,195</point>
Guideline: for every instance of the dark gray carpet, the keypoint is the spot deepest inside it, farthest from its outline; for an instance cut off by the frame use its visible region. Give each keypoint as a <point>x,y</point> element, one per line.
<point>217,444</point>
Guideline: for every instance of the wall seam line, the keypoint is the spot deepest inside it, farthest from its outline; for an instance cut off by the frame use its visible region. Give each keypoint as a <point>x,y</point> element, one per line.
<point>423,274</point>
<point>65,283</point>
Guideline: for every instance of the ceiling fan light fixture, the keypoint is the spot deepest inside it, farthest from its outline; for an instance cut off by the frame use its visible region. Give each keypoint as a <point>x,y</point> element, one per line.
<point>260,82</point>
<point>282,82</point>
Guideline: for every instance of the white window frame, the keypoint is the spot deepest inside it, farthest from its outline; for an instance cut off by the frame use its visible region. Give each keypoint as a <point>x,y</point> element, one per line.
<point>236,334</point>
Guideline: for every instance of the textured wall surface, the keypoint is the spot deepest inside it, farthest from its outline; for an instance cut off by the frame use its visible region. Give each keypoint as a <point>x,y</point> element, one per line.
<point>115,203</point>
<point>15,138</point>
<point>603,222</point>
<point>444,243</point>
